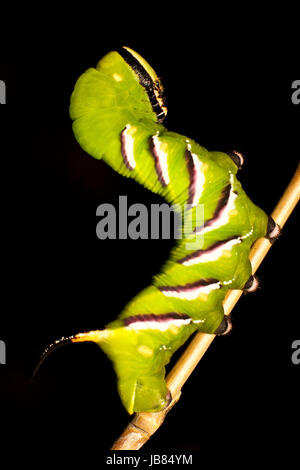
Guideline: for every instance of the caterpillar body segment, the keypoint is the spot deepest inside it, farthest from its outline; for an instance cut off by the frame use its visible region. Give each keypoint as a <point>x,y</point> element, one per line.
<point>118,109</point>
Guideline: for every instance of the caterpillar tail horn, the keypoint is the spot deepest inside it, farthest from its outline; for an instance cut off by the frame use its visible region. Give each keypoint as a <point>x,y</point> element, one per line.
<point>90,336</point>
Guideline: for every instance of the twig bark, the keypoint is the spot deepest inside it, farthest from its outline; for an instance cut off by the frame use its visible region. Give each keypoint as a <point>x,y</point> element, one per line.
<point>143,425</point>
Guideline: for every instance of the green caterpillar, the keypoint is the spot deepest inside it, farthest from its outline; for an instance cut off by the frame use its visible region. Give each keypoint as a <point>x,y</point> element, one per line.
<point>117,109</point>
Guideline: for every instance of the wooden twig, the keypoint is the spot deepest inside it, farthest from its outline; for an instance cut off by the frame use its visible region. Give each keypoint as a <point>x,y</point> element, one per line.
<point>144,425</point>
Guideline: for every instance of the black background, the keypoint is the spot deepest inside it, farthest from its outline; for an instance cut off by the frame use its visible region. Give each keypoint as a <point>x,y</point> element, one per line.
<point>59,279</point>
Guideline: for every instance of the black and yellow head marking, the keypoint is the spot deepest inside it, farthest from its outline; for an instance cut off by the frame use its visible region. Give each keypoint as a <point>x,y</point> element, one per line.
<point>148,79</point>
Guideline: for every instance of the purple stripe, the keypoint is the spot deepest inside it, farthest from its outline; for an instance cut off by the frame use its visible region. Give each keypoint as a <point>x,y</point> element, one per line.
<point>192,176</point>
<point>198,253</point>
<point>158,168</point>
<point>187,287</point>
<point>223,201</point>
<point>157,318</point>
<point>123,150</point>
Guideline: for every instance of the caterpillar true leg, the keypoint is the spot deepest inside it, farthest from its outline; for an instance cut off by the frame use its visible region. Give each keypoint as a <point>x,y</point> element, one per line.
<point>237,158</point>
<point>168,398</point>
<point>225,326</point>
<point>273,230</point>
<point>251,285</point>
